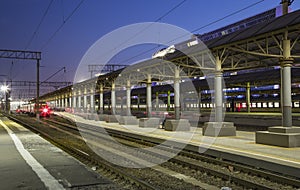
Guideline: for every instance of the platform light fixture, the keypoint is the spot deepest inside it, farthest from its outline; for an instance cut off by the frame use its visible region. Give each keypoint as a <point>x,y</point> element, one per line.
<point>4,88</point>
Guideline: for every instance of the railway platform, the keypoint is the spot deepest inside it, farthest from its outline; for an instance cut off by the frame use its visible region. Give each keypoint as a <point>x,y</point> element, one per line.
<point>240,148</point>
<point>28,161</point>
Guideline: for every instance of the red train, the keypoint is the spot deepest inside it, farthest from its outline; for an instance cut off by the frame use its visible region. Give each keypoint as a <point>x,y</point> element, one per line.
<point>31,109</point>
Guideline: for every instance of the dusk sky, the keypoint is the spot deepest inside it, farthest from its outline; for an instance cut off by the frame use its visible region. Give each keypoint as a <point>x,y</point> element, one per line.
<point>87,21</point>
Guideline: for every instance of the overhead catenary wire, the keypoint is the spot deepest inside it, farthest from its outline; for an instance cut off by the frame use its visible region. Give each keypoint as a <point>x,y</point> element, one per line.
<point>201,27</point>
<point>171,10</point>
<point>156,20</point>
<point>39,25</point>
<point>62,24</point>
<point>227,16</point>
<point>34,34</point>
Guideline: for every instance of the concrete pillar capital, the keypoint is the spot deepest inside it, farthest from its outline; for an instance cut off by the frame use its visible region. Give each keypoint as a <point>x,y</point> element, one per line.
<point>286,62</point>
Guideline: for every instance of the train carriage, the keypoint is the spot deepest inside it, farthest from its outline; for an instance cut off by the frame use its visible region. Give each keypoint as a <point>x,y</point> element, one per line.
<point>31,109</point>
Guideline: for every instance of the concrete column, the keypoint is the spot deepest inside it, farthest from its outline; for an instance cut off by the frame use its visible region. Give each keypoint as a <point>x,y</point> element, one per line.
<point>74,102</point>
<point>157,101</point>
<point>113,98</point>
<point>62,102</point>
<point>70,101</point>
<point>85,102</point>
<point>169,101</point>
<point>248,97</point>
<point>128,98</point>
<point>286,85</point>
<point>79,100</point>
<point>149,96</point>
<point>57,102</point>
<point>218,91</point>
<point>286,135</point>
<point>199,100</point>
<point>101,99</point>
<point>92,102</point>
<point>177,93</point>
<point>138,101</point>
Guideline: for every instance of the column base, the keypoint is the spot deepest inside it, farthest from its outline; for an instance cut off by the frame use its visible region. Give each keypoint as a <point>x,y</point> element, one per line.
<point>102,117</point>
<point>128,120</point>
<point>90,116</point>
<point>279,136</point>
<point>219,129</point>
<point>177,125</point>
<point>151,122</point>
<point>112,118</point>
<point>95,117</point>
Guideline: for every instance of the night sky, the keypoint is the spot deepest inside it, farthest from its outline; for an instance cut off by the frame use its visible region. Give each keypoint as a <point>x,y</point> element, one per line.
<point>87,21</point>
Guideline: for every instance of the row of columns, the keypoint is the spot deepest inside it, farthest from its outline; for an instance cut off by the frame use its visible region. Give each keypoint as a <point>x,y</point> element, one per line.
<point>286,93</point>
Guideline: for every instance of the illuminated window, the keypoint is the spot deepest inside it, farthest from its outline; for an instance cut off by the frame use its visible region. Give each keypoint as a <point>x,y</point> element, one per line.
<point>276,104</point>
<point>265,105</point>
<point>253,105</point>
<point>270,105</point>
<point>296,104</point>
<point>244,105</point>
<point>259,105</point>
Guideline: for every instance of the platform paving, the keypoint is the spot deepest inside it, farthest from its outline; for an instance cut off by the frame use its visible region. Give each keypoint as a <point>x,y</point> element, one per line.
<point>28,161</point>
<point>241,148</point>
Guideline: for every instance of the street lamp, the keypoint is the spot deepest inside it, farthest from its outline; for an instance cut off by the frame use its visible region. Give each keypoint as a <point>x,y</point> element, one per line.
<point>5,89</point>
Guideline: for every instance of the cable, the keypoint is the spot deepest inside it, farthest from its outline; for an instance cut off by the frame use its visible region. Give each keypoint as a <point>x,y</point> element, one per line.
<point>38,26</point>
<point>218,20</point>
<point>34,34</point>
<point>63,23</point>
<point>158,19</point>
<point>171,10</point>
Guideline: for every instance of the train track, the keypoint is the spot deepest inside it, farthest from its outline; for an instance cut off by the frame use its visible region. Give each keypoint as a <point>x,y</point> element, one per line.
<point>230,171</point>
<point>110,171</point>
<point>184,159</point>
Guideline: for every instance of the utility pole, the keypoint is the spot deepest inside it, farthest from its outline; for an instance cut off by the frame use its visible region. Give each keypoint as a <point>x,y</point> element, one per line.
<point>30,55</point>
<point>37,89</point>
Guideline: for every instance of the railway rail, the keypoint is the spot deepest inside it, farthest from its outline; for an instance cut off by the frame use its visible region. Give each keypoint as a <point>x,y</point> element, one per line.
<point>122,178</point>
<point>229,172</point>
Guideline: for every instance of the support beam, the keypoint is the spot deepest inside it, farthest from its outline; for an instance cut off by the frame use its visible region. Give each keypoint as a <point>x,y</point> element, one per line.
<point>286,64</point>
<point>286,135</point>
<point>101,99</point>
<point>92,102</point>
<point>177,93</point>
<point>79,102</point>
<point>169,101</point>
<point>38,88</point>
<point>149,96</point>
<point>218,128</point>
<point>199,100</point>
<point>128,98</point>
<point>218,91</point>
<point>113,98</point>
<point>74,102</point>
<point>84,102</point>
<point>248,97</point>
<point>156,101</point>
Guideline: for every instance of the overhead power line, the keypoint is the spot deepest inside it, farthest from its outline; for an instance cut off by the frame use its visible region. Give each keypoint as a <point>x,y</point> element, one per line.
<point>38,26</point>
<point>62,24</point>
<point>171,10</point>
<point>158,19</point>
<point>142,30</point>
<point>227,16</point>
<point>204,26</point>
